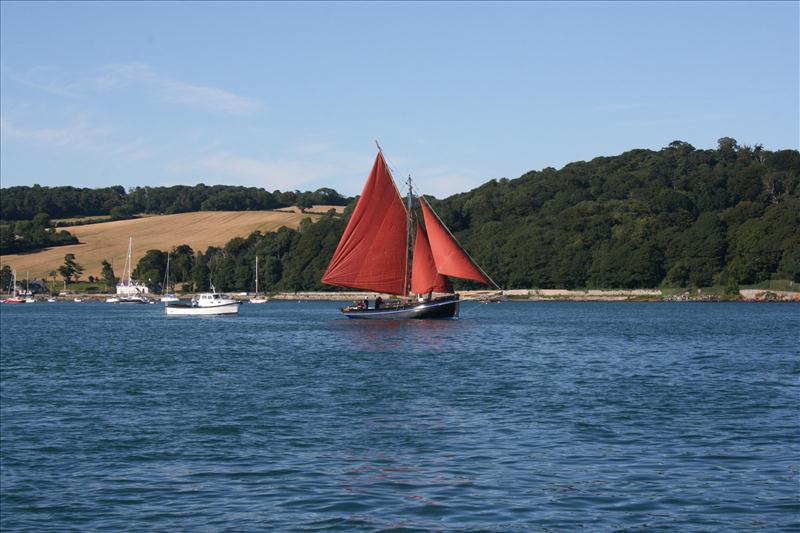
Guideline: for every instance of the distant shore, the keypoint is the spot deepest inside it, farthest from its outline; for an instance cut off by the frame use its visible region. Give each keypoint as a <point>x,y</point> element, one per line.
<point>638,295</point>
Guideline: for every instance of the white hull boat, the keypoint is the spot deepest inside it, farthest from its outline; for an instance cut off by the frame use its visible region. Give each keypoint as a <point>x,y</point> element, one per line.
<point>256,299</point>
<point>208,303</point>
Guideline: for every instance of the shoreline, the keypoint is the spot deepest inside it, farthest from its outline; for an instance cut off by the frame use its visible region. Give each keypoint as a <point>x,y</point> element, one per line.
<point>517,295</point>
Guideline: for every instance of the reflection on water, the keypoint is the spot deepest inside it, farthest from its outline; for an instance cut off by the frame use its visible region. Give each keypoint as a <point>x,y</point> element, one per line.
<point>394,335</point>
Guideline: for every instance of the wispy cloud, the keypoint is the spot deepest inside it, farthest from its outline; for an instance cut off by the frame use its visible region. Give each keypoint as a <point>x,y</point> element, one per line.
<point>270,174</point>
<point>621,107</point>
<point>42,78</point>
<point>176,91</point>
<point>76,135</point>
<point>54,80</point>
<point>306,166</point>
<point>81,135</point>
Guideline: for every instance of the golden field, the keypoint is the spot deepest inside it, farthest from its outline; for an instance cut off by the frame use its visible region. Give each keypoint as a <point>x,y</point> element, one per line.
<point>109,240</point>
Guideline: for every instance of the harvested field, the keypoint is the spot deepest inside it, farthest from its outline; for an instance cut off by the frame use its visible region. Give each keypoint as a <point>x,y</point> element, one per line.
<point>109,240</point>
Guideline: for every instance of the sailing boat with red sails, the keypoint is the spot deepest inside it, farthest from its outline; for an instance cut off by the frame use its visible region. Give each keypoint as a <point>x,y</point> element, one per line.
<point>374,254</point>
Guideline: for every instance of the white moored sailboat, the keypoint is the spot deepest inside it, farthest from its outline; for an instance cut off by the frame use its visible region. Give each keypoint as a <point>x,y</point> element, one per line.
<point>128,290</point>
<point>257,299</point>
<point>13,298</point>
<point>168,296</point>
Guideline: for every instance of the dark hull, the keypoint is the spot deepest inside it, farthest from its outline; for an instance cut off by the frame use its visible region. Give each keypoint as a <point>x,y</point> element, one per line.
<point>446,307</point>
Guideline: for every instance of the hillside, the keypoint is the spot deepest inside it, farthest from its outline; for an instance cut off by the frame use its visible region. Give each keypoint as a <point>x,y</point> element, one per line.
<point>109,240</point>
<point>675,217</point>
<point>678,217</point>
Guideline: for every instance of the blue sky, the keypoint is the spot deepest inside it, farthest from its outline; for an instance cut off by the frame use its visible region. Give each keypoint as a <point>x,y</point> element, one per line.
<point>291,95</point>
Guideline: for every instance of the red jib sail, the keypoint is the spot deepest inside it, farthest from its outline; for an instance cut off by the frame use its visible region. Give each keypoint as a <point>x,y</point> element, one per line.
<point>424,276</point>
<point>450,258</point>
<point>371,254</point>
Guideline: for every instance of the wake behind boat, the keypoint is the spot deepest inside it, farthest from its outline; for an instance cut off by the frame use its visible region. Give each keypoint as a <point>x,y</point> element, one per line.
<point>374,254</point>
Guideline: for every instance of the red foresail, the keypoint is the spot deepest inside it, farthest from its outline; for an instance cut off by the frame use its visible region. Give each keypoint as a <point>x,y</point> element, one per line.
<point>372,253</point>
<point>450,258</point>
<point>424,276</point>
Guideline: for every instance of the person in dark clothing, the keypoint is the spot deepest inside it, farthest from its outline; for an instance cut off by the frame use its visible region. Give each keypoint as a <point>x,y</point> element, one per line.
<point>378,302</point>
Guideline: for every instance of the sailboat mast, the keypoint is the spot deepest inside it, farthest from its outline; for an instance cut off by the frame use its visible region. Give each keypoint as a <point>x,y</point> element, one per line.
<point>165,288</point>
<point>130,259</point>
<point>409,236</point>
<point>256,275</point>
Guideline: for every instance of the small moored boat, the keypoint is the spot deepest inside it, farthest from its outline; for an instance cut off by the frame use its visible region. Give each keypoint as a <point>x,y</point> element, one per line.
<point>207,303</point>
<point>258,299</point>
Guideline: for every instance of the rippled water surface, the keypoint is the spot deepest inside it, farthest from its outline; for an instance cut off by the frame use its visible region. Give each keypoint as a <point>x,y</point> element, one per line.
<point>519,416</point>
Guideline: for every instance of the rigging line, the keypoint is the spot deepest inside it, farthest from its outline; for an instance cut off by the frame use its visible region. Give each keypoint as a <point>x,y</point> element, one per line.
<point>389,163</point>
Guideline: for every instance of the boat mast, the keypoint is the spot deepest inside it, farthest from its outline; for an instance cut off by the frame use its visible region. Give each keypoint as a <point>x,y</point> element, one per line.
<point>165,288</point>
<point>130,260</point>
<point>409,236</point>
<point>256,275</point>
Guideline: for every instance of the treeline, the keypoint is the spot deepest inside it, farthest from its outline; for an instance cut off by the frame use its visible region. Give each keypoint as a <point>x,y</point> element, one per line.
<point>24,203</point>
<point>289,260</point>
<point>27,235</point>
<point>676,217</point>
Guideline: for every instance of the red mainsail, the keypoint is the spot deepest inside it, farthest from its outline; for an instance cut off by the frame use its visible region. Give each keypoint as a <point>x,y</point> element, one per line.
<point>372,253</point>
<point>424,276</point>
<point>450,258</point>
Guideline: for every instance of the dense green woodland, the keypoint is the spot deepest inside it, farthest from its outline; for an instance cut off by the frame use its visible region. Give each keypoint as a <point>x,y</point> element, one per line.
<point>676,217</point>
<point>27,235</point>
<point>24,203</point>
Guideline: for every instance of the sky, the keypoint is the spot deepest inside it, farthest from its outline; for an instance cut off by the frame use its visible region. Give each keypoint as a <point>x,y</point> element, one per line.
<point>291,96</point>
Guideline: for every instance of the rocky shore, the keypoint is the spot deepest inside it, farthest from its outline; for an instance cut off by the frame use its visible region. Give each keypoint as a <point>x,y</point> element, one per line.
<point>654,295</point>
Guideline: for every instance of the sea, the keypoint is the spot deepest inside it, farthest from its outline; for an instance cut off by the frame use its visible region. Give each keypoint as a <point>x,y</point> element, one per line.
<point>518,416</point>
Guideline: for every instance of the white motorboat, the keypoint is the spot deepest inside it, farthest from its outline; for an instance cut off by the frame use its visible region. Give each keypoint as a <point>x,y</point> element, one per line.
<point>112,300</point>
<point>207,303</point>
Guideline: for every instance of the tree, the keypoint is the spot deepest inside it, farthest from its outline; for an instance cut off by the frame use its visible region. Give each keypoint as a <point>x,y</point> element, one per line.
<point>150,268</point>
<point>70,268</point>
<point>121,212</point>
<point>107,275</point>
<point>52,275</point>
<point>200,273</point>
<point>5,277</point>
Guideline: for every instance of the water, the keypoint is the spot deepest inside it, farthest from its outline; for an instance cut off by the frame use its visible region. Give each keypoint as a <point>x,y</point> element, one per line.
<point>521,416</point>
